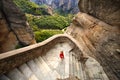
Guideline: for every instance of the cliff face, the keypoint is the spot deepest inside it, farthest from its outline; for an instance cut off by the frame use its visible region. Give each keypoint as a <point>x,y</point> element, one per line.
<point>97,29</point>
<point>40,2</point>
<point>68,6</point>
<point>14,29</point>
<point>107,11</point>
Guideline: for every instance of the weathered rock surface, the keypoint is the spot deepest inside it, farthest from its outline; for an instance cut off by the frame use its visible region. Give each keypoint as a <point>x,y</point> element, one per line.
<point>105,10</point>
<point>13,27</point>
<point>98,40</point>
<point>46,11</point>
<point>99,36</point>
<point>68,6</point>
<point>39,1</point>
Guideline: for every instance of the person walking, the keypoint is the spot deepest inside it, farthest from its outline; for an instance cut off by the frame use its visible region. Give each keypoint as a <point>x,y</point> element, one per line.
<point>62,64</point>
<point>61,55</point>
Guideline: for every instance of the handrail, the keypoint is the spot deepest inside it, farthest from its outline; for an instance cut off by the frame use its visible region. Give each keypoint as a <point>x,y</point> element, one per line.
<point>15,58</point>
<point>18,51</point>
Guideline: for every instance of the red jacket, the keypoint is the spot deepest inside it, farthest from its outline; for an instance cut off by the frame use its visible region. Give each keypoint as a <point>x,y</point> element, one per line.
<point>61,55</point>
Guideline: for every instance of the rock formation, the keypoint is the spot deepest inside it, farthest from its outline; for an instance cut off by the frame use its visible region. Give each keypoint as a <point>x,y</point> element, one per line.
<point>39,2</point>
<point>67,6</point>
<point>46,11</point>
<point>14,29</point>
<point>107,11</point>
<point>97,29</point>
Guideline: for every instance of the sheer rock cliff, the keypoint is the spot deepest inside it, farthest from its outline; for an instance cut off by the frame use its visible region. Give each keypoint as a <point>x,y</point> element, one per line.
<point>14,29</point>
<point>97,29</point>
<point>66,6</point>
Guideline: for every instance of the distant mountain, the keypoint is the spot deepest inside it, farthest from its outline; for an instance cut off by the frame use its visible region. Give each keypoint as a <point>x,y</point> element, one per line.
<point>39,2</point>
<point>64,6</point>
<point>68,6</point>
<point>49,1</point>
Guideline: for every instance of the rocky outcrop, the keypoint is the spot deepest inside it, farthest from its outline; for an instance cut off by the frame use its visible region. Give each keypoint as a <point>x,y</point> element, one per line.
<point>65,6</point>
<point>39,2</point>
<point>98,32</point>
<point>13,27</point>
<point>49,2</point>
<point>105,10</point>
<point>98,40</point>
<point>68,6</point>
<point>46,11</point>
<point>49,10</point>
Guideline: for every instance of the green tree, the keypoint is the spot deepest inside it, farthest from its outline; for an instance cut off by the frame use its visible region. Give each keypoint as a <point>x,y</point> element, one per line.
<point>30,7</point>
<point>42,35</point>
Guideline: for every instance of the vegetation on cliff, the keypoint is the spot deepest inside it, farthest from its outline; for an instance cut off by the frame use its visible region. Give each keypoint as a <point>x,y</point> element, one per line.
<point>39,19</point>
<point>31,8</point>
<point>44,34</point>
<point>49,22</point>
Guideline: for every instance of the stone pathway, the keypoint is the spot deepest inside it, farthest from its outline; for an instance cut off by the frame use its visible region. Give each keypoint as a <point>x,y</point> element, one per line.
<point>51,67</point>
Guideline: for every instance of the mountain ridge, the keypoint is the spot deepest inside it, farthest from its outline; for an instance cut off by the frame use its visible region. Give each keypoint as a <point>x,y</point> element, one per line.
<point>64,6</point>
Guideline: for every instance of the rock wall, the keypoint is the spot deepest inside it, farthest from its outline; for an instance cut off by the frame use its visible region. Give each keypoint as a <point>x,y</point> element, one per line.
<point>14,28</point>
<point>68,6</point>
<point>105,10</point>
<point>98,40</point>
<point>98,32</point>
<point>40,2</point>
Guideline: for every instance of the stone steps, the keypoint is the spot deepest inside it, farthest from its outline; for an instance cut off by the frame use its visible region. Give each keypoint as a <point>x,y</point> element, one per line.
<point>50,67</point>
<point>27,72</point>
<point>70,78</point>
<point>74,66</point>
<point>45,69</point>
<point>16,75</point>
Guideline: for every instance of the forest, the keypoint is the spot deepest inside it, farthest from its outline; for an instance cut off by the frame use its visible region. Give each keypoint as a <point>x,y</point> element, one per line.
<point>43,23</point>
